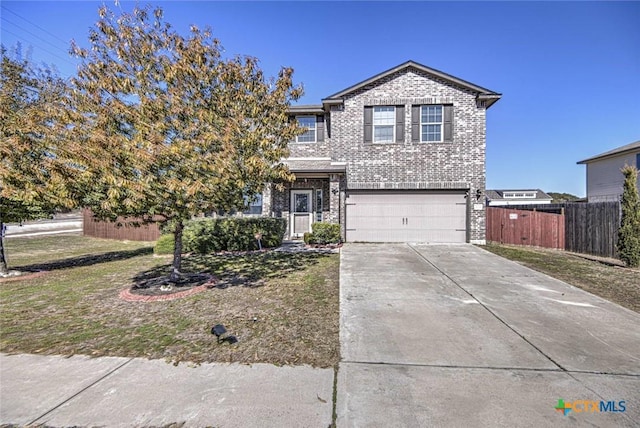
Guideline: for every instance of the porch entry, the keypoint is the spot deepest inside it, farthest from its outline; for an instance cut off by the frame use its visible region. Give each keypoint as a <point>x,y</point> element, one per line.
<point>301,212</point>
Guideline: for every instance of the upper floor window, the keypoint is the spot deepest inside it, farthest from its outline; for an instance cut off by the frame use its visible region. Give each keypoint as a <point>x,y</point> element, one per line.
<point>309,123</point>
<point>383,124</point>
<point>431,123</point>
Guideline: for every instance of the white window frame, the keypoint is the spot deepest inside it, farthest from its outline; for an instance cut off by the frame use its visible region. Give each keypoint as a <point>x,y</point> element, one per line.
<point>314,129</point>
<point>373,126</point>
<point>520,195</point>
<point>441,124</point>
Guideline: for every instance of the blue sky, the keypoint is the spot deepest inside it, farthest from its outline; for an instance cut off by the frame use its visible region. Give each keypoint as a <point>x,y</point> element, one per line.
<point>569,72</point>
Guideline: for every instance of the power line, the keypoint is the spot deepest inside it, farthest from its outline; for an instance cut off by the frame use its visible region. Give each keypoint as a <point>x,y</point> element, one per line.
<point>33,34</point>
<point>35,25</point>
<point>45,50</point>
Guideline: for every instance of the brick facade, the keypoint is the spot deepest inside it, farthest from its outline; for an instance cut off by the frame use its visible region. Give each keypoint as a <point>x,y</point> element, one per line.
<point>457,165</point>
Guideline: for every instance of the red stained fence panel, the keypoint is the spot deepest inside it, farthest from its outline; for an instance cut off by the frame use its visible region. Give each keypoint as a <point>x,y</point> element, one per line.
<point>518,227</point>
<point>111,230</point>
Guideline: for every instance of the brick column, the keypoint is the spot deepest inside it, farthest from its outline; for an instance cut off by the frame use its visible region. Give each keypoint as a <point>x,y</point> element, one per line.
<point>334,199</point>
<point>267,201</point>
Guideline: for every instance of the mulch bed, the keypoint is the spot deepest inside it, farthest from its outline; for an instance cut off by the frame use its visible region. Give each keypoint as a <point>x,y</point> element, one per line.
<point>324,246</point>
<point>162,289</point>
<point>128,296</point>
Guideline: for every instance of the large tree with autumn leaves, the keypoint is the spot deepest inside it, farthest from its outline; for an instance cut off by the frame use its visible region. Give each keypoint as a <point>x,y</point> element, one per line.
<point>162,126</point>
<point>34,175</point>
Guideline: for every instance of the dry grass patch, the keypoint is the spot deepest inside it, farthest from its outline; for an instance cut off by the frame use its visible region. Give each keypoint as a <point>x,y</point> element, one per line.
<point>282,307</point>
<point>607,280</point>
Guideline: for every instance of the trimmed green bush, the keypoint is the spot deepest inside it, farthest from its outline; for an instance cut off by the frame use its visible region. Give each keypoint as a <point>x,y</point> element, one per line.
<point>325,233</point>
<point>308,238</point>
<point>164,245</point>
<point>209,235</point>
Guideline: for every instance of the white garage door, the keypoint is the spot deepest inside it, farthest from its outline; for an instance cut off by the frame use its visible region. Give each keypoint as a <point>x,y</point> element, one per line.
<point>406,217</point>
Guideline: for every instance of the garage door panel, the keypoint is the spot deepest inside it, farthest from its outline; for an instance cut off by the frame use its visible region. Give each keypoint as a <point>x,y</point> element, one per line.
<point>374,222</point>
<point>406,217</point>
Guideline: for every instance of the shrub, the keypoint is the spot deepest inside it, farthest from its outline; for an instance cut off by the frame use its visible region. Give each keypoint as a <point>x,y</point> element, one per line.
<point>325,233</point>
<point>232,234</point>
<point>629,232</point>
<point>308,238</point>
<point>164,245</point>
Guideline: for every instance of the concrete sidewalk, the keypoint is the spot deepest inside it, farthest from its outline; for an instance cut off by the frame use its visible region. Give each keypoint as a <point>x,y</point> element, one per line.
<point>63,223</point>
<point>125,392</point>
<point>431,335</point>
<point>451,335</point>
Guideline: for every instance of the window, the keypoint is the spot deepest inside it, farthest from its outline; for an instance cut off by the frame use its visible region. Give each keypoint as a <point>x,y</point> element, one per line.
<point>431,123</point>
<point>383,124</point>
<point>308,122</point>
<point>638,161</point>
<point>254,204</point>
<point>519,194</point>
<point>318,204</point>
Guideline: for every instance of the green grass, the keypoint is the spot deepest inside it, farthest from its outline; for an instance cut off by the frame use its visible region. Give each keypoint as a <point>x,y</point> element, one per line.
<point>615,283</point>
<point>75,309</point>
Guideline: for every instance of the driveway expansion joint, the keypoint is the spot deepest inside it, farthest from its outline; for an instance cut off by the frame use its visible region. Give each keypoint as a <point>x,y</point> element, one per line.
<point>487,309</point>
<point>80,392</point>
<point>454,366</point>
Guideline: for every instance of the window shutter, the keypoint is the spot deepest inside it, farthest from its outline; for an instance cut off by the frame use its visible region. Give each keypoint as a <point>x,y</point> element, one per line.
<point>399,124</point>
<point>415,124</point>
<point>320,128</point>
<point>368,124</point>
<point>447,123</point>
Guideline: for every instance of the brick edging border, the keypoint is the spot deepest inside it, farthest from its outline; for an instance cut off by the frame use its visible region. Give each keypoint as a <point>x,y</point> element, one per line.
<point>128,296</point>
<point>25,276</point>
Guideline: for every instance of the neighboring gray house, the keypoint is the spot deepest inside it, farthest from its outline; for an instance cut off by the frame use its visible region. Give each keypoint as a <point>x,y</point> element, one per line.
<point>398,157</point>
<point>604,178</point>
<point>496,198</point>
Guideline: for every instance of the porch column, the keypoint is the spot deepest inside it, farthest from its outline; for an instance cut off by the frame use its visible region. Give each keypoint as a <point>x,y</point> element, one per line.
<point>267,202</point>
<point>334,199</point>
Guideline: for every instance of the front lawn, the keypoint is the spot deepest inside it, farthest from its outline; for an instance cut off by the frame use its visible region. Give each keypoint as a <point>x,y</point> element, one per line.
<point>617,284</point>
<point>282,307</point>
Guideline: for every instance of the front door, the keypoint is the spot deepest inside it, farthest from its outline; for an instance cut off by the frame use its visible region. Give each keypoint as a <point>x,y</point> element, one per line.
<point>301,212</point>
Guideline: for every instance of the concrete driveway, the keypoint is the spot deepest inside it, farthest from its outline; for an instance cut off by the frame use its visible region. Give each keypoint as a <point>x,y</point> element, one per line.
<point>452,335</point>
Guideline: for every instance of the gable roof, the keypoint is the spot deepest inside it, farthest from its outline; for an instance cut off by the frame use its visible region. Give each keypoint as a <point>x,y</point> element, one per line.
<point>618,151</point>
<point>497,194</point>
<point>483,94</point>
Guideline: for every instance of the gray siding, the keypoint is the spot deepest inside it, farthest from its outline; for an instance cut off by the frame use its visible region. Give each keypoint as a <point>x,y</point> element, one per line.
<point>604,178</point>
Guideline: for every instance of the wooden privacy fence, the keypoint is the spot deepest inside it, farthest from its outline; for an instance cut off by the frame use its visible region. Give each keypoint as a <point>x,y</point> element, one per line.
<point>593,228</point>
<point>588,228</point>
<point>111,230</point>
<point>519,227</point>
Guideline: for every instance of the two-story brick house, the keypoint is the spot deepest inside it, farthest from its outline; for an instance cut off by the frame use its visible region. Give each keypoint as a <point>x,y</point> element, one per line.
<point>398,157</point>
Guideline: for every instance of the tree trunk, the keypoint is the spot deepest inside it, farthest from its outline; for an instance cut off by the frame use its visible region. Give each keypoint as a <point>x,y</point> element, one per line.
<point>3,259</point>
<point>177,252</point>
